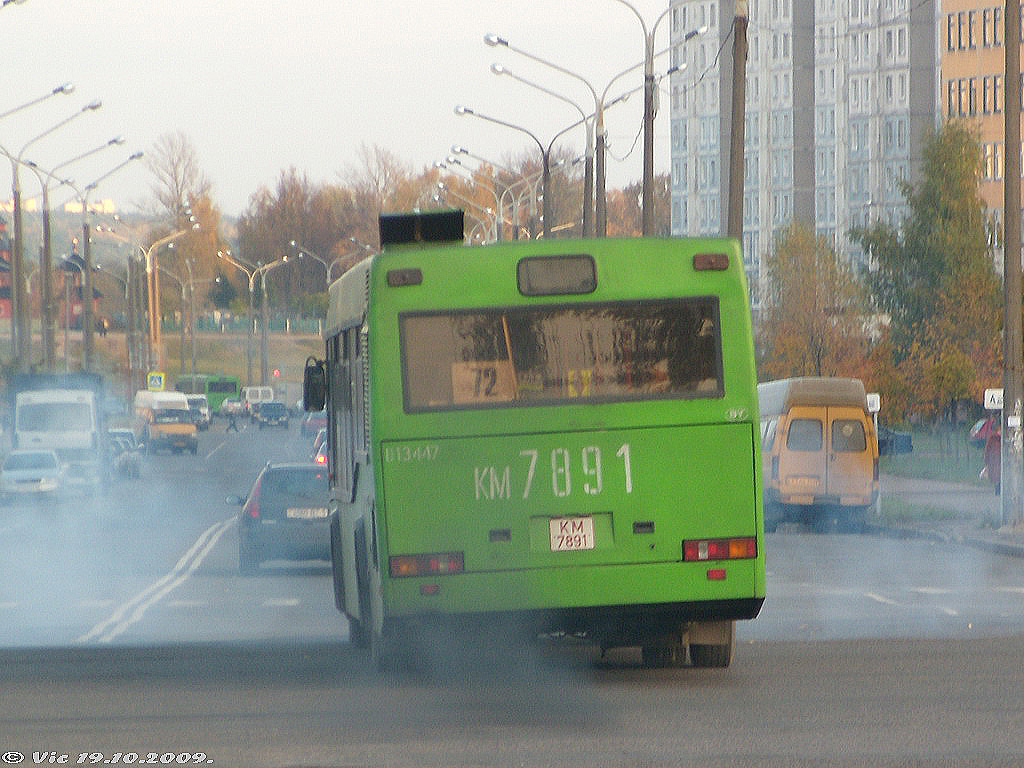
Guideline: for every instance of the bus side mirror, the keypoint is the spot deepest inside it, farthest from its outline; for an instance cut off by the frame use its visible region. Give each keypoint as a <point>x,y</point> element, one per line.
<point>314,385</point>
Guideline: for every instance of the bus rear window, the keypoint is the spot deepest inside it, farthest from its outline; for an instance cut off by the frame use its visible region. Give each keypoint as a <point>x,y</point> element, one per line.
<point>557,353</point>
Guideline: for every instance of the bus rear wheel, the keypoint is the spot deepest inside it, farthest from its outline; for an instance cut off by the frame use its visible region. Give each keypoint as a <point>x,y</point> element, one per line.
<point>711,644</point>
<point>662,656</point>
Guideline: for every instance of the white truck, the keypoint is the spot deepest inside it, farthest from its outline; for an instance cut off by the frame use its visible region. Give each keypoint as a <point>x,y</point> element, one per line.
<point>62,413</point>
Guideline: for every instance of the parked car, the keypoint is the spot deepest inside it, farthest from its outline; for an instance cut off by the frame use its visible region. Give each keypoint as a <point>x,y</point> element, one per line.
<point>312,422</point>
<point>892,443</point>
<point>200,409</point>
<point>31,472</point>
<point>284,516</point>
<point>272,414</point>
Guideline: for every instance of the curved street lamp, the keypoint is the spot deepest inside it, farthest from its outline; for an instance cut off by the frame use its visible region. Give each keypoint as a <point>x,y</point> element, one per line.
<point>544,153</point>
<point>304,251</point>
<point>22,322</point>
<point>65,88</point>
<point>83,198</point>
<point>47,308</point>
<point>587,122</point>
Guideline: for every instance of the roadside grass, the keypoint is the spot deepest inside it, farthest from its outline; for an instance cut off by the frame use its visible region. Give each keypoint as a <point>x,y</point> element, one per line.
<point>224,354</point>
<point>896,511</point>
<point>218,353</point>
<point>947,457</point>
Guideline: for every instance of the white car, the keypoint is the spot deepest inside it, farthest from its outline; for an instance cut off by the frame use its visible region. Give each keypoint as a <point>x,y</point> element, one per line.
<point>31,472</point>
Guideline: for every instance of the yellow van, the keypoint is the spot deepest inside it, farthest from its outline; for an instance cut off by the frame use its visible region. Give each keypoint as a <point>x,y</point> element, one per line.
<point>820,452</point>
<point>164,420</point>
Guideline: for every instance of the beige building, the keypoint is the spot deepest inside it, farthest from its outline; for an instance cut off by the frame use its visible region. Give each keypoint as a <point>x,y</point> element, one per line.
<point>972,83</point>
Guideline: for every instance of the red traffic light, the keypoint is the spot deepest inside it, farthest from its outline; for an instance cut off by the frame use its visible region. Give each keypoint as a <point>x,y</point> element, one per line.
<point>277,373</point>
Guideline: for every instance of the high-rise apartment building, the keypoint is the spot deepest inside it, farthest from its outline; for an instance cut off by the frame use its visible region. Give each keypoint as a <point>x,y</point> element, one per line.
<point>840,96</point>
<point>971,39</point>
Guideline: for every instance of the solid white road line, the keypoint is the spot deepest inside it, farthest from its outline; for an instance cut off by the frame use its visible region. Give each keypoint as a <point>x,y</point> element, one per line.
<point>120,620</point>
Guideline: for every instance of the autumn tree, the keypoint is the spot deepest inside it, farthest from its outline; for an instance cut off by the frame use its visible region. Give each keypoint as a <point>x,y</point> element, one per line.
<point>936,279</point>
<point>182,194</point>
<point>813,324</point>
<point>625,211</point>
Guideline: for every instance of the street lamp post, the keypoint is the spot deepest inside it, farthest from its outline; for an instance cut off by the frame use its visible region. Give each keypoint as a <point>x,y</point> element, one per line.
<point>154,357</point>
<point>129,295</point>
<point>22,328</point>
<point>304,251</point>
<point>48,318</point>
<point>68,264</point>
<point>262,271</point>
<point>599,132</point>
<point>250,273</point>
<point>452,164</point>
<point>545,159</point>
<point>65,89</point>
<point>587,122</point>
<point>87,319</point>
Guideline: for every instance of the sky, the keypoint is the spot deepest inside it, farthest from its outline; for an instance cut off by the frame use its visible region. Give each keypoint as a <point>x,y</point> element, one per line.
<point>265,85</point>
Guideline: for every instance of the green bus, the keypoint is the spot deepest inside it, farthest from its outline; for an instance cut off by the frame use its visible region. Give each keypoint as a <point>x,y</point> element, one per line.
<point>562,433</point>
<point>216,388</point>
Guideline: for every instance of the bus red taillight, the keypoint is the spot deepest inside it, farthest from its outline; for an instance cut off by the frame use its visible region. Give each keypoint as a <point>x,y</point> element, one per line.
<point>743,548</point>
<point>443,564</point>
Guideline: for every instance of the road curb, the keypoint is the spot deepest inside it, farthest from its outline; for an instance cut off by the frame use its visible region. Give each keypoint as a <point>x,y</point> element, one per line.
<point>943,537</point>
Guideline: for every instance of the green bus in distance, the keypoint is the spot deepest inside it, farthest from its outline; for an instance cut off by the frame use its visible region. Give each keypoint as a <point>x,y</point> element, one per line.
<point>216,388</point>
<point>563,433</point>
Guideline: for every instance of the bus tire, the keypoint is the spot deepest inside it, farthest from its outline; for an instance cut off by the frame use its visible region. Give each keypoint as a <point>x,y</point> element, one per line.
<point>661,656</point>
<point>359,629</point>
<point>710,656</point>
<point>711,643</point>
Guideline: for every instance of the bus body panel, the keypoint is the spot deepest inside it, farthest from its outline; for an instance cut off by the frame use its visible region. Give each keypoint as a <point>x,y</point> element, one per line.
<point>439,480</point>
<point>493,497</point>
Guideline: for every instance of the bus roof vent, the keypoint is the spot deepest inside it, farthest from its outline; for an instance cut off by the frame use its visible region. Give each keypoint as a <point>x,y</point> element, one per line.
<point>410,228</point>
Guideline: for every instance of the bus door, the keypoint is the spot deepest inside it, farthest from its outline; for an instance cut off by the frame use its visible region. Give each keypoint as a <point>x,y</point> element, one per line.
<point>850,471</point>
<point>802,465</point>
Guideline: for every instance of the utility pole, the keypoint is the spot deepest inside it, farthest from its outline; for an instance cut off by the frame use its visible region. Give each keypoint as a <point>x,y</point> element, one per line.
<point>734,227</point>
<point>1012,449</point>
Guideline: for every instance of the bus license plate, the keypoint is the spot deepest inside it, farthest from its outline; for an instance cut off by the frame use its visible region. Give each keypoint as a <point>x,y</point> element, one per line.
<point>571,533</point>
<point>307,514</point>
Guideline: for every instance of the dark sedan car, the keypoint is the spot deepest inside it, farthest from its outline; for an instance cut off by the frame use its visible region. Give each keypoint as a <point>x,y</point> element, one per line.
<point>284,516</point>
<point>272,414</point>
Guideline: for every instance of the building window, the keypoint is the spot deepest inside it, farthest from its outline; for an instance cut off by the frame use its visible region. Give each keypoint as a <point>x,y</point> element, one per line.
<point>971,39</point>
<point>986,20</point>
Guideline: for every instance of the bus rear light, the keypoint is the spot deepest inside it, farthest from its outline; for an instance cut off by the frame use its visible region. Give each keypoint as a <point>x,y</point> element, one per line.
<point>321,458</point>
<point>428,590</point>
<point>697,550</point>
<point>444,564</point>
<point>716,574</point>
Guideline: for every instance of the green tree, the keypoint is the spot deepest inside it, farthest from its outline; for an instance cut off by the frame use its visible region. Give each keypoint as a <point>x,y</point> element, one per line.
<point>222,291</point>
<point>813,319</point>
<point>936,276</point>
